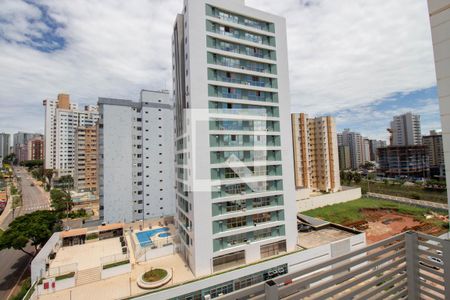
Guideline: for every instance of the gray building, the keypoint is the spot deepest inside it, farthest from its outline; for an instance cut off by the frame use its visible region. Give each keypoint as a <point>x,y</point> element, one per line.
<point>405,130</point>
<point>435,149</point>
<point>20,144</point>
<point>4,145</point>
<point>136,159</point>
<point>355,143</point>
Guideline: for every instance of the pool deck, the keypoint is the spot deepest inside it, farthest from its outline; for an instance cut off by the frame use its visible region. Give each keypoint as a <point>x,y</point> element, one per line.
<point>171,230</point>
<point>87,255</point>
<point>125,285</point>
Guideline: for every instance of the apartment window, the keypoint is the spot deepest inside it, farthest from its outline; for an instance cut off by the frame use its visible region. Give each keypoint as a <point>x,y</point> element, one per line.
<point>261,202</point>
<point>228,260</point>
<point>236,222</point>
<point>273,249</point>
<point>231,206</point>
<point>261,218</point>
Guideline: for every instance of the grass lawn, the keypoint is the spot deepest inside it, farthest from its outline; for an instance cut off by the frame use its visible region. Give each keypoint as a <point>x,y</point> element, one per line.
<point>351,211</point>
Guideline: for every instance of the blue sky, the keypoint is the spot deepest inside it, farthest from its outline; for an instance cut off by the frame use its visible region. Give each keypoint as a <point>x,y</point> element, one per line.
<point>362,61</point>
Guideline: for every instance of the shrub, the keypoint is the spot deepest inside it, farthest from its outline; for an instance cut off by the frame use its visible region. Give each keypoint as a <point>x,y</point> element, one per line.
<point>92,236</point>
<point>154,275</point>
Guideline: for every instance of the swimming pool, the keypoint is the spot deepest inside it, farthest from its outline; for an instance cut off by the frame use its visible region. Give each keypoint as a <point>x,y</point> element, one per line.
<point>144,237</point>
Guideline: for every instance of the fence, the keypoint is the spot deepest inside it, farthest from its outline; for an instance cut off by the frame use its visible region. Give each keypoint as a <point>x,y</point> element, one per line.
<point>110,259</point>
<point>412,265</point>
<point>61,270</point>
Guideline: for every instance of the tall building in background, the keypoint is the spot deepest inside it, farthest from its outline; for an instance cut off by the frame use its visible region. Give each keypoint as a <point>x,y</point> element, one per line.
<point>355,143</point>
<point>373,146</point>
<point>345,162</point>
<point>86,152</point>
<point>316,158</point>
<point>62,118</point>
<point>235,189</point>
<point>435,147</point>
<point>439,12</point>
<point>136,158</point>
<point>4,145</point>
<point>405,130</point>
<point>20,144</point>
<point>366,150</point>
<point>35,148</point>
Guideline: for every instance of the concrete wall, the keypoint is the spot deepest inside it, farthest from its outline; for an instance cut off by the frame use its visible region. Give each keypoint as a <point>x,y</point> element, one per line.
<point>119,270</point>
<point>149,254</point>
<point>38,263</point>
<point>59,285</point>
<point>296,261</point>
<point>326,199</point>
<point>116,186</point>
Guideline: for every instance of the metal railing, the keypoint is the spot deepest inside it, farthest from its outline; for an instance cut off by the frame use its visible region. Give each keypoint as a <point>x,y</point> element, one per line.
<point>410,265</point>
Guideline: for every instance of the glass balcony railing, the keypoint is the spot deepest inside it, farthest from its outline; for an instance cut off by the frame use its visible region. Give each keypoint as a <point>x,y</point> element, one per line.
<point>244,125</point>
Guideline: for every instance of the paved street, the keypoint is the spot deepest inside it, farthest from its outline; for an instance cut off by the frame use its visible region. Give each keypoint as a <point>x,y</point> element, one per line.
<point>14,262</point>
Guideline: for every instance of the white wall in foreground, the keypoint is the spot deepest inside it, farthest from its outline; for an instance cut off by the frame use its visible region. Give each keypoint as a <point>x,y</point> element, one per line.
<point>326,199</point>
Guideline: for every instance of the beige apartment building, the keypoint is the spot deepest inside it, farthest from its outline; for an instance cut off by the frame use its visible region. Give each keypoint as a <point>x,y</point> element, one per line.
<point>316,158</point>
<point>85,178</point>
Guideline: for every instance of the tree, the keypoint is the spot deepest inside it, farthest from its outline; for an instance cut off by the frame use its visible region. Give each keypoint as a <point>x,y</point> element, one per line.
<point>30,164</point>
<point>61,200</point>
<point>368,165</point>
<point>48,173</point>
<point>36,227</point>
<point>65,182</point>
<point>10,159</point>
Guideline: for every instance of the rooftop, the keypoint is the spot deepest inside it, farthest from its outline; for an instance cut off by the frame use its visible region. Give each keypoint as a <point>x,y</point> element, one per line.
<point>323,236</point>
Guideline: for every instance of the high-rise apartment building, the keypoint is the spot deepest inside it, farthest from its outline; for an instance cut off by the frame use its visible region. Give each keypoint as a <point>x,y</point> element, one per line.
<point>373,146</point>
<point>86,152</point>
<point>405,130</point>
<point>20,144</point>
<point>366,150</point>
<point>35,148</point>
<point>4,145</point>
<point>435,147</point>
<point>62,118</point>
<point>316,158</point>
<point>355,143</point>
<point>439,12</point>
<point>136,158</point>
<point>345,162</point>
<point>235,189</point>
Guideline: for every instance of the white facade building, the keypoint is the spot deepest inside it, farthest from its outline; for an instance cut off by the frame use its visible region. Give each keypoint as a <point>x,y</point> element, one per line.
<point>440,30</point>
<point>4,145</point>
<point>406,130</point>
<point>355,142</point>
<point>61,121</point>
<point>235,189</point>
<point>136,160</point>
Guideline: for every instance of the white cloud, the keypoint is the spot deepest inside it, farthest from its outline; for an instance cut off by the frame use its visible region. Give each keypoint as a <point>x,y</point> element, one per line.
<point>342,53</point>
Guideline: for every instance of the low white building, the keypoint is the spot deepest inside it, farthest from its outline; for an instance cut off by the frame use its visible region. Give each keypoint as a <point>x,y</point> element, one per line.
<point>136,160</point>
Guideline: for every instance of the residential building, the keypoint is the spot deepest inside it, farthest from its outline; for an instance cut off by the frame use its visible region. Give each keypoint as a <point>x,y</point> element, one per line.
<point>366,149</point>
<point>355,143</point>
<point>409,161</point>
<point>35,148</point>
<point>316,158</point>
<point>405,130</point>
<point>61,121</point>
<point>345,162</point>
<point>86,152</point>
<point>435,147</point>
<point>373,146</point>
<point>136,158</point>
<point>4,145</point>
<point>20,144</point>
<point>235,189</point>
<point>439,12</point>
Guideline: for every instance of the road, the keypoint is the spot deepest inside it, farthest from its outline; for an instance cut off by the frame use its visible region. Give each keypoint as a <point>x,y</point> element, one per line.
<point>14,262</point>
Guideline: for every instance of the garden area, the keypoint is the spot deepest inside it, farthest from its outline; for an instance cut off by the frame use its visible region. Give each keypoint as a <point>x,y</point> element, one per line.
<point>381,218</point>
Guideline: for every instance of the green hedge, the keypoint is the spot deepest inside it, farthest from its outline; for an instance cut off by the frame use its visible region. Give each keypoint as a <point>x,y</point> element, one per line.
<point>116,264</point>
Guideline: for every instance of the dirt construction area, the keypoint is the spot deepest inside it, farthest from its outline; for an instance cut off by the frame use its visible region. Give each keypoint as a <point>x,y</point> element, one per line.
<point>380,224</point>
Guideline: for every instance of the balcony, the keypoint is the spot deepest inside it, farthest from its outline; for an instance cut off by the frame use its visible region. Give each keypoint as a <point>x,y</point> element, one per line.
<point>407,266</point>
<point>241,64</point>
<point>238,19</point>
<point>240,49</point>
<point>240,34</point>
